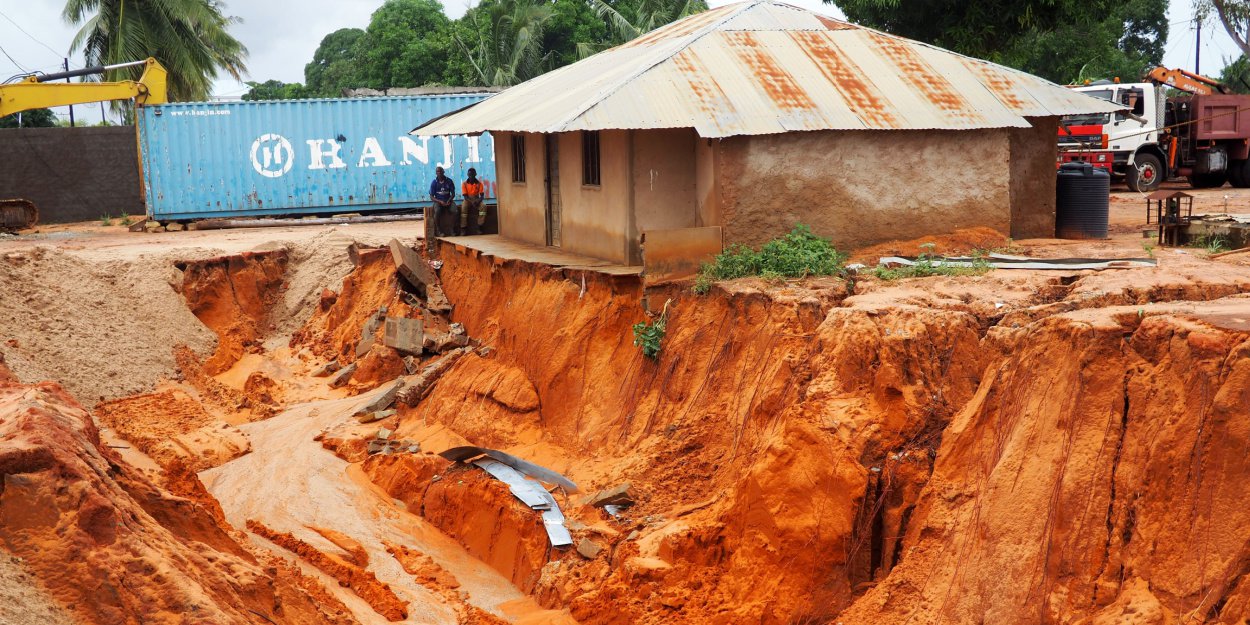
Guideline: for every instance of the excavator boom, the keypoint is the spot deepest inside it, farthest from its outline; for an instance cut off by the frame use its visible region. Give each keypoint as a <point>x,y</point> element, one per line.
<point>38,92</point>
<point>1186,81</point>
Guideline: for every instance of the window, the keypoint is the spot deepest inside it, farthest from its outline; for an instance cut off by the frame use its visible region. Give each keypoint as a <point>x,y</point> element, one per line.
<point>518,158</point>
<point>590,158</point>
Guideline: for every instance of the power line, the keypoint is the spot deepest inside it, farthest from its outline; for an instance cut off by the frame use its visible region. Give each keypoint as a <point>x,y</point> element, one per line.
<point>19,27</point>
<point>11,59</point>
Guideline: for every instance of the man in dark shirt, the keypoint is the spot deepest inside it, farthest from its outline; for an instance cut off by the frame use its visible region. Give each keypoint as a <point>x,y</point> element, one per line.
<point>442,191</point>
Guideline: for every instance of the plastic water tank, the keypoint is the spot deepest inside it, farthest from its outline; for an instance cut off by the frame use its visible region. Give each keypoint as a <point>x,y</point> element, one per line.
<point>1082,202</point>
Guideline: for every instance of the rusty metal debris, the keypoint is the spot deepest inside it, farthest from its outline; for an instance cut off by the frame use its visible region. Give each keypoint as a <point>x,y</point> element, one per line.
<point>17,214</point>
<point>1003,261</point>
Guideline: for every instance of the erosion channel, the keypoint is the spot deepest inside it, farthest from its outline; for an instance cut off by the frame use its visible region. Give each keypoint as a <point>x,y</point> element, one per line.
<point>241,428</point>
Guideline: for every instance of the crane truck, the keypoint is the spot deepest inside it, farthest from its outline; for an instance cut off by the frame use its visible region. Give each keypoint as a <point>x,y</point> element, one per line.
<point>40,91</point>
<point>1203,135</point>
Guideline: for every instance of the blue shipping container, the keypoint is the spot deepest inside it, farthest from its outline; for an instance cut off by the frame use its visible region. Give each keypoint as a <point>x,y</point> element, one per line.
<point>228,159</point>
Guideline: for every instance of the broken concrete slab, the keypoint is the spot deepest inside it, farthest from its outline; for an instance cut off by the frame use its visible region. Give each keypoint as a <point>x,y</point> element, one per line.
<point>404,334</point>
<point>413,269</point>
<point>368,333</point>
<point>343,376</point>
<point>411,364</point>
<point>325,370</point>
<point>619,496</point>
<point>439,342</point>
<point>385,399</point>
<point>417,388</point>
<point>588,548</point>
<point>377,415</point>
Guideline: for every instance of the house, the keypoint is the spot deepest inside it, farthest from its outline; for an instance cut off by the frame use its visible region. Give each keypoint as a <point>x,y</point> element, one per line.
<point>756,116</point>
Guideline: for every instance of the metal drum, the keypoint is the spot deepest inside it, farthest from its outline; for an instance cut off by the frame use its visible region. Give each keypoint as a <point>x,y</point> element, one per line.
<point>1082,202</point>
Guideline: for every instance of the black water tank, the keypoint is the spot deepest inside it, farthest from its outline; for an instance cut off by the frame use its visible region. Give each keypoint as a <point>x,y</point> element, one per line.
<point>1082,202</point>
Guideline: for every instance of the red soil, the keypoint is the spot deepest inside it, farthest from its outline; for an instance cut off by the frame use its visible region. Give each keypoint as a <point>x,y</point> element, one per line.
<point>782,445</point>
<point>109,545</point>
<point>379,596</point>
<point>233,295</point>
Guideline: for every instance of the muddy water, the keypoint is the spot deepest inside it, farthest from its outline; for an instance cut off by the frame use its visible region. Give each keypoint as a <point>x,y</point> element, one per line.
<point>290,483</point>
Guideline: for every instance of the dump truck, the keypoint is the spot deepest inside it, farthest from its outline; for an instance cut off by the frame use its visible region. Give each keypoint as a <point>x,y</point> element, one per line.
<point>1202,134</point>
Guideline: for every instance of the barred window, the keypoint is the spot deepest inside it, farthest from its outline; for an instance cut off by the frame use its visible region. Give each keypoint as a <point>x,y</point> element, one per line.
<point>590,158</point>
<point>518,158</point>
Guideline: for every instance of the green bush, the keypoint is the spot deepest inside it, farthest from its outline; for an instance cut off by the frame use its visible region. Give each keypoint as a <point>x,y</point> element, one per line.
<point>796,255</point>
<point>650,336</point>
<point>929,264</point>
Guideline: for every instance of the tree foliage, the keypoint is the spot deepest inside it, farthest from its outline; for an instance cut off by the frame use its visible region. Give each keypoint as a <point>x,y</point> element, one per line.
<point>1234,15</point>
<point>189,37</point>
<point>411,43</point>
<point>275,90</point>
<point>34,118</point>
<point>1237,75</point>
<point>334,66</point>
<point>1062,40</point>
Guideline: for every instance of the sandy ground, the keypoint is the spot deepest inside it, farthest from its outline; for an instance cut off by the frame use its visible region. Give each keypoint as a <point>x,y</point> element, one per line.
<point>74,291</point>
<point>290,483</point>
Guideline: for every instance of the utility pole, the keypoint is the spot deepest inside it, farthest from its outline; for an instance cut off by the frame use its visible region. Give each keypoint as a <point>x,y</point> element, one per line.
<point>1198,45</point>
<point>71,107</point>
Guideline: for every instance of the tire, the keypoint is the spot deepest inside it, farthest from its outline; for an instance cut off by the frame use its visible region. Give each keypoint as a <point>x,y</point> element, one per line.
<point>1207,181</point>
<point>1239,174</point>
<point>1146,175</point>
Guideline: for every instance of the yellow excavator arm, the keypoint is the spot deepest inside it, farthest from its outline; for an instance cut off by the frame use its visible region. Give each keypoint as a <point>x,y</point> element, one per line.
<point>40,92</point>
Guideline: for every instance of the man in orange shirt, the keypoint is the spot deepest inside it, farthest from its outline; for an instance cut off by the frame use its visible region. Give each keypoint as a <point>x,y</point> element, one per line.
<point>474,192</point>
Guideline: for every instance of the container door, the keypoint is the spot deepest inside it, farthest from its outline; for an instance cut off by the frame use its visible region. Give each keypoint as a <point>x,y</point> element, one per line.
<point>553,190</point>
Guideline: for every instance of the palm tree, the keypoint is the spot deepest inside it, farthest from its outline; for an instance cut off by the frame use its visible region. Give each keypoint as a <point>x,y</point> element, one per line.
<point>630,19</point>
<point>189,37</point>
<point>509,47</point>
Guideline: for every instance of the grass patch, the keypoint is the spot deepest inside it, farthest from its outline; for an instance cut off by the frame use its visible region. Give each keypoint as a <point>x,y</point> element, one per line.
<point>930,264</point>
<point>105,220</point>
<point>1212,243</point>
<point>798,254</point>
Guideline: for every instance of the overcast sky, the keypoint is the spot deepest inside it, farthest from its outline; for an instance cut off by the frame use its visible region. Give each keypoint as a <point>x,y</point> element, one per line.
<point>281,36</point>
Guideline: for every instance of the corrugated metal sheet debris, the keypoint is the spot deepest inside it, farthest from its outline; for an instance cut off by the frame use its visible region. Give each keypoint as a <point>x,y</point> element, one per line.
<point>763,67</point>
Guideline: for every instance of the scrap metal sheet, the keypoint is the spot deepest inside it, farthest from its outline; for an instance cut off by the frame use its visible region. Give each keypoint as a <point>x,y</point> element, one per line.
<point>467,452</point>
<point>1000,261</point>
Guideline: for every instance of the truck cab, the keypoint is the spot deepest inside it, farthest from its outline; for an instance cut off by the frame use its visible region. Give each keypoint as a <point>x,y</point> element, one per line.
<point>1126,143</point>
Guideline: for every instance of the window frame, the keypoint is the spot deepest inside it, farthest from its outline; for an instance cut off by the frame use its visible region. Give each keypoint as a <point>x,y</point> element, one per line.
<point>592,163</point>
<point>518,158</point>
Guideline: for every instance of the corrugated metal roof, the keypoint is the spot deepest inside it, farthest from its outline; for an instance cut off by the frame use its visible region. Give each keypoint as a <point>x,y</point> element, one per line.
<point>763,67</point>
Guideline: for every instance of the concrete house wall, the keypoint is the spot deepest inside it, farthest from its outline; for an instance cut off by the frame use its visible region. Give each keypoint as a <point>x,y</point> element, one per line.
<point>854,187</point>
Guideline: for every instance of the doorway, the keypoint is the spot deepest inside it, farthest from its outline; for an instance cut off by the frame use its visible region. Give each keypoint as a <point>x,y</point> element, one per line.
<point>553,189</point>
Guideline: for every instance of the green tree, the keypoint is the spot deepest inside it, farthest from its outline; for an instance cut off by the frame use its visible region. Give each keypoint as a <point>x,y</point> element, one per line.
<point>509,46</point>
<point>1233,14</point>
<point>406,45</point>
<point>1236,74</point>
<point>34,118</point>
<point>189,37</point>
<point>630,19</point>
<point>1062,40</point>
<point>574,27</point>
<point>335,65</point>
<point>275,90</point>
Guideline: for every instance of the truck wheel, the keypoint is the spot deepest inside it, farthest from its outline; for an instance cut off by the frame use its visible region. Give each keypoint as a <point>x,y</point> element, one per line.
<point>1237,174</point>
<point>1207,181</point>
<point>1146,175</point>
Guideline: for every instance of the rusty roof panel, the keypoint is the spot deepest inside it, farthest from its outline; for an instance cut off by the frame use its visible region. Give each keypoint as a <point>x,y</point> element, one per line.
<point>763,67</point>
